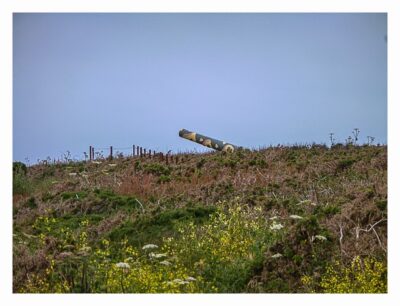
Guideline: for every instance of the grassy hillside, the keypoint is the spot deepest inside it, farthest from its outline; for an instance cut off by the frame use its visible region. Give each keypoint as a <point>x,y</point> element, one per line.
<point>281,219</point>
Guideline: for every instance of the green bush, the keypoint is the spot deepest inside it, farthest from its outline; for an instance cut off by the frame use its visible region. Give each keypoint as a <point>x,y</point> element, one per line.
<point>157,169</point>
<point>200,163</point>
<point>164,179</point>
<point>74,195</point>
<point>164,223</point>
<point>345,164</point>
<point>19,168</point>
<point>381,204</point>
<point>219,255</point>
<point>223,251</point>
<point>114,201</point>
<point>21,185</point>
<point>31,203</point>
<point>367,275</point>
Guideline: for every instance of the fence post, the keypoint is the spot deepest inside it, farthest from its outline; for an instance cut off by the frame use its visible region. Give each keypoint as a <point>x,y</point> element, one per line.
<point>137,151</point>
<point>141,151</point>
<point>144,151</point>
<point>93,153</point>
<point>133,150</point>
<point>111,152</point>
<point>90,153</point>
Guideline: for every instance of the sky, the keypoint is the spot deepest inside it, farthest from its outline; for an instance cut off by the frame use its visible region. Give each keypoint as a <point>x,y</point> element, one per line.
<point>254,80</point>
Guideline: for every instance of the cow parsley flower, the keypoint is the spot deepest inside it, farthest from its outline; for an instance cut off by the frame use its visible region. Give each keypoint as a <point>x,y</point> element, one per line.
<point>149,246</point>
<point>320,237</point>
<point>276,226</point>
<point>158,255</point>
<point>122,265</point>
<point>179,281</point>
<point>165,263</point>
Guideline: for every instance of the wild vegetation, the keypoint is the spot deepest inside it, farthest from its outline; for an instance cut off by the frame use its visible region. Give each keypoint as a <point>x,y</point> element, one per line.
<point>279,219</point>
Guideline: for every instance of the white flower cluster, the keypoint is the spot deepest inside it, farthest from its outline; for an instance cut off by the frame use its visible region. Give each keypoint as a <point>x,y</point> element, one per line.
<point>150,246</point>
<point>165,263</point>
<point>295,217</point>
<point>307,202</point>
<point>158,255</point>
<point>178,281</point>
<point>277,255</point>
<point>182,282</point>
<point>122,265</point>
<point>276,226</point>
<point>320,237</point>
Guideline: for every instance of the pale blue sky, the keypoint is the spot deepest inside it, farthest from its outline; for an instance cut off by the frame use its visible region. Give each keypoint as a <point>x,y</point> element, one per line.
<point>250,79</point>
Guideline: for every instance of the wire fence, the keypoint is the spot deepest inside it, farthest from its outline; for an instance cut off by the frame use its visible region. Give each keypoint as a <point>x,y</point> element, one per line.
<point>133,151</point>
<point>111,152</point>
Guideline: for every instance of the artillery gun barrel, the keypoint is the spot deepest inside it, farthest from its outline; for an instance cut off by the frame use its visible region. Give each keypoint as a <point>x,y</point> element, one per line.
<point>208,141</point>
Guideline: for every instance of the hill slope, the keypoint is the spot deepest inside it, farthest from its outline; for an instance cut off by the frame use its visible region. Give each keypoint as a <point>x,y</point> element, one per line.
<point>281,219</point>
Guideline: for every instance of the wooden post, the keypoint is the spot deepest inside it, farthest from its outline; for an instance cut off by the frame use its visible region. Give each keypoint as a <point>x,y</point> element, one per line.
<point>144,151</point>
<point>150,154</point>
<point>111,152</point>
<point>93,153</point>
<point>141,151</point>
<point>166,158</point>
<point>133,150</point>
<point>90,153</point>
<point>137,150</point>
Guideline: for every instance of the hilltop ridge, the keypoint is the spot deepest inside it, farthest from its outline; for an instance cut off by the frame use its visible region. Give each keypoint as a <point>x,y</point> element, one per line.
<point>278,219</point>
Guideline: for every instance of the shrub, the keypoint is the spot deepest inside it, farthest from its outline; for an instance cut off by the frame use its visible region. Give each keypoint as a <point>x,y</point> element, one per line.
<point>74,195</point>
<point>362,276</point>
<point>19,168</point>
<point>381,204</point>
<point>258,162</point>
<point>223,251</point>
<point>164,179</point>
<point>217,256</point>
<point>344,164</point>
<point>157,169</point>
<point>115,201</point>
<point>31,203</point>
<point>201,163</point>
<point>21,184</point>
<point>155,227</point>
